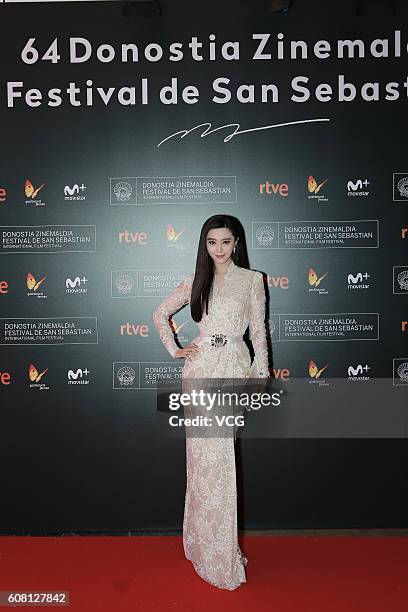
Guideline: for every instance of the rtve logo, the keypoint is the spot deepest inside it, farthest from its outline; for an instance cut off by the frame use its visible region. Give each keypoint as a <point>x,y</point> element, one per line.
<point>132,237</point>
<point>129,329</point>
<point>268,188</point>
<point>279,282</point>
<point>3,287</point>
<point>281,373</point>
<point>3,194</point>
<point>5,378</point>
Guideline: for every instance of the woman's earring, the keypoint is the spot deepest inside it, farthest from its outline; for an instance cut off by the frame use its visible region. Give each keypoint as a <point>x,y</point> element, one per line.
<point>235,246</point>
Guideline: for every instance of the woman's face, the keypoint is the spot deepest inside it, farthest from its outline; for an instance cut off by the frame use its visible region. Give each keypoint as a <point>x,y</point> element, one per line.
<point>220,243</point>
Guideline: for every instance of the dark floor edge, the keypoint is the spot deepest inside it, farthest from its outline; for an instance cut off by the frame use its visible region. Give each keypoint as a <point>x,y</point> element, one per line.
<point>385,532</point>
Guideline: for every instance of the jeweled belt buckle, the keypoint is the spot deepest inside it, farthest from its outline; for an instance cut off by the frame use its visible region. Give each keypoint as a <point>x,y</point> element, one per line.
<point>219,340</point>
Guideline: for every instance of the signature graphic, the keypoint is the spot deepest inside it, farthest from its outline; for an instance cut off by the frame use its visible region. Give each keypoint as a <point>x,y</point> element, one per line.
<point>237,126</point>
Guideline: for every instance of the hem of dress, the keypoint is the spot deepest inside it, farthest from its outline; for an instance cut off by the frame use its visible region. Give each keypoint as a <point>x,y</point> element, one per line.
<point>229,587</point>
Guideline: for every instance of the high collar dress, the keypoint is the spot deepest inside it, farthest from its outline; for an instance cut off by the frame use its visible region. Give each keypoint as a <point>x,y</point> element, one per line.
<point>210,533</point>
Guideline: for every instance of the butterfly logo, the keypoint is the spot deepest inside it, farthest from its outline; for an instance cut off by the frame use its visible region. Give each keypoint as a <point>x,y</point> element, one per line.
<point>312,185</point>
<point>314,371</point>
<point>33,373</point>
<point>171,233</point>
<point>314,281</point>
<point>177,328</point>
<point>30,190</point>
<point>32,284</point>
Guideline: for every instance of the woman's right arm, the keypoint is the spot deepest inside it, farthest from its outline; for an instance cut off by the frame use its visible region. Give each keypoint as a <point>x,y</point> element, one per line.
<point>170,305</point>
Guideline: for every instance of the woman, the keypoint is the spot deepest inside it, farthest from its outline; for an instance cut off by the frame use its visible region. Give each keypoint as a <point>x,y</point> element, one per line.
<point>225,297</point>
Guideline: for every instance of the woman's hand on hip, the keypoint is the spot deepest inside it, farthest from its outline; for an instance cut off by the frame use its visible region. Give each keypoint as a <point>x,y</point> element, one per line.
<point>188,352</point>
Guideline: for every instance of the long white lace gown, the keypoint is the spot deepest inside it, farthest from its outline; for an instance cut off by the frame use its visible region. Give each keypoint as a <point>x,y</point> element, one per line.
<point>210,532</point>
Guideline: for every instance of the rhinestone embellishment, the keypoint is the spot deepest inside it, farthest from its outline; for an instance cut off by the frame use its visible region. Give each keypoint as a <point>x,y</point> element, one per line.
<point>218,340</point>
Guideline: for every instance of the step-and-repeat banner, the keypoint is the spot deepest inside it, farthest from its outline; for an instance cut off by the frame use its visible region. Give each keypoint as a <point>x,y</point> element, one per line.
<point>121,134</point>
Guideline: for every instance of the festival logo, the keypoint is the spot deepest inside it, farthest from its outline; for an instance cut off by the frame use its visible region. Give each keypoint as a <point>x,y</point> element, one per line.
<point>400,280</point>
<point>31,193</point>
<point>349,234</point>
<point>160,374</point>
<point>47,239</point>
<point>272,327</point>
<point>151,190</point>
<point>314,282</point>
<point>145,283</point>
<point>129,375</point>
<point>314,188</point>
<point>186,189</point>
<point>400,371</point>
<point>265,236</point>
<point>33,286</point>
<point>122,284</point>
<point>330,326</point>
<point>48,330</point>
<point>122,191</point>
<point>400,186</point>
<point>126,375</point>
<point>35,378</point>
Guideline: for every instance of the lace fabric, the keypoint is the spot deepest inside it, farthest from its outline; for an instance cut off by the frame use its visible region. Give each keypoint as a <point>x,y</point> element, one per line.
<point>239,304</point>
<point>210,533</point>
<point>169,306</point>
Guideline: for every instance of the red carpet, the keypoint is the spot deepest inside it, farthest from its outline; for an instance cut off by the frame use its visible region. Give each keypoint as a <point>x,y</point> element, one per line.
<point>284,573</point>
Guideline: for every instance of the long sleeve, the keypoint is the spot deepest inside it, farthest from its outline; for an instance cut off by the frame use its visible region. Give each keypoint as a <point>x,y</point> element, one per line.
<point>257,331</point>
<point>170,305</point>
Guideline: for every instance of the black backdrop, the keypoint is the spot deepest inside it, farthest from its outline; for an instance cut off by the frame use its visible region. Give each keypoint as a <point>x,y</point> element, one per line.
<point>81,453</point>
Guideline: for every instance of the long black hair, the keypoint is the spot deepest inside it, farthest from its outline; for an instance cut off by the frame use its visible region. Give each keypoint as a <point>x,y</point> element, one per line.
<point>204,272</point>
